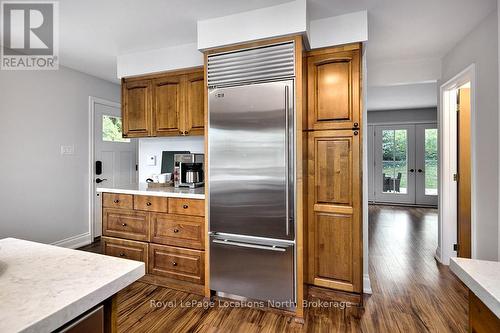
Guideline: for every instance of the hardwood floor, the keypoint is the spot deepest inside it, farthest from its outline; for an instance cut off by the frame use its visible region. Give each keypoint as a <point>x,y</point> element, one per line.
<point>411,292</point>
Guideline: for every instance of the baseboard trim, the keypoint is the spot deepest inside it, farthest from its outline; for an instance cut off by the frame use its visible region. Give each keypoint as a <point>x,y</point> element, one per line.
<point>367,285</point>
<point>437,255</point>
<point>75,242</point>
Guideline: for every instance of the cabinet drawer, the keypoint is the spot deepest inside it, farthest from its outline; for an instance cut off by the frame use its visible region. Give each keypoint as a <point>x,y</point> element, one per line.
<point>125,249</point>
<point>178,230</point>
<point>177,263</point>
<point>181,206</point>
<point>150,203</point>
<point>127,224</point>
<point>115,200</point>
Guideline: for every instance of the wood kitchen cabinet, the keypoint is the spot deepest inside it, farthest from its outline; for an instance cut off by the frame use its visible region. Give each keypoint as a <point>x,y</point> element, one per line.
<point>334,170</point>
<point>166,104</point>
<point>167,234</point>
<point>333,88</point>
<point>334,221</point>
<point>137,108</point>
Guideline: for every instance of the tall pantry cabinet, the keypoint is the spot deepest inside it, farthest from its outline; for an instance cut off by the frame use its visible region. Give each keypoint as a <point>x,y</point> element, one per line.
<point>334,222</point>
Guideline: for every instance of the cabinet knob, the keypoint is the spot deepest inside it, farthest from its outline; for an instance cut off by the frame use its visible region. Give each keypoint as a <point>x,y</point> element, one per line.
<point>174,263</point>
<point>124,224</point>
<point>176,231</point>
<point>356,125</point>
<point>116,201</point>
<point>185,206</point>
<point>186,132</point>
<point>148,203</point>
<point>122,254</point>
<point>181,132</point>
<point>356,133</point>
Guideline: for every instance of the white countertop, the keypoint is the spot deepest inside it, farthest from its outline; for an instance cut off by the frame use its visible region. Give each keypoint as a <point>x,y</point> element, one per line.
<point>482,278</point>
<point>42,287</point>
<point>142,189</point>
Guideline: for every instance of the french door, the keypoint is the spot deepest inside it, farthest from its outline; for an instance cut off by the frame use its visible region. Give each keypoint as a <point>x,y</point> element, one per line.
<point>405,164</point>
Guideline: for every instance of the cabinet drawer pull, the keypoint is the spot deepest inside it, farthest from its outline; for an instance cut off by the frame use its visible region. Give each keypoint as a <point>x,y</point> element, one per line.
<point>148,203</point>
<point>176,231</point>
<point>124,224</point>
<point>174,263</point>
<point>116,201</point>
<point>122,254</point>
<point>185,206</point>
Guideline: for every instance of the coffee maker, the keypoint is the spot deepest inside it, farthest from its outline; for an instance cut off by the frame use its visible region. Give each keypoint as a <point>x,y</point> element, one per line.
<point>188,170</point>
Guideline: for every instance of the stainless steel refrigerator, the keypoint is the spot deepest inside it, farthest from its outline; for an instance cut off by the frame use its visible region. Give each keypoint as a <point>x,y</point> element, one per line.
<point>251,190</point>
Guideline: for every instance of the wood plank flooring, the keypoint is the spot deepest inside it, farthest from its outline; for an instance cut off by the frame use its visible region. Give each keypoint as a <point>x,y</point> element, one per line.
<point>411,292</point>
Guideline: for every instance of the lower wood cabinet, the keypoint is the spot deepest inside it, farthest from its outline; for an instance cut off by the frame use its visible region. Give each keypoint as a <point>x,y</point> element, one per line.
<point>167,234</point>
<point>124,223</point>
<point>178,230</point>
<point>177,263</point>
<point>126,249</point>
<point>481,318</point>
<point>334,225</point>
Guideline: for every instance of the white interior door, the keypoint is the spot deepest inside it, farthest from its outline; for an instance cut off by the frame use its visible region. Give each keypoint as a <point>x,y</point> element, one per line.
<point>117,156</point>
<point>394,153</point>
<point>426,164</point>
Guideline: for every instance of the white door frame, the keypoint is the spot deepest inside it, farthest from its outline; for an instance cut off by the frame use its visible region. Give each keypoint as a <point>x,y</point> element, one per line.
<point>447,122</point>
<point>91,167</point>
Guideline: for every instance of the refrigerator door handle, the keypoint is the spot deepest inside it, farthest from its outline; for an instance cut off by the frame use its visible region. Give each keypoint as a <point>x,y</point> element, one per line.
<point>287,160</point>
<point>252,246</point>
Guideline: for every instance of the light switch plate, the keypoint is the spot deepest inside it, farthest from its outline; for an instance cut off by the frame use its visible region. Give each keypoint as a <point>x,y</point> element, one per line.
<point>68,150</point>
<point>151,160</point>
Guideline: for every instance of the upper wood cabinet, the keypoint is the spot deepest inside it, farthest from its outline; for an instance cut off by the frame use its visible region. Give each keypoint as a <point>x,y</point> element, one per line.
<point>136,108</point>
<point>333,86</point>
<point>167,104</point>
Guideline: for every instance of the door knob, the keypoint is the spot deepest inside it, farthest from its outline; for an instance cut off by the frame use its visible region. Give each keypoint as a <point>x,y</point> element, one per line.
<point>99,180</point>
<point>412,170</point>
<point>420,170</point>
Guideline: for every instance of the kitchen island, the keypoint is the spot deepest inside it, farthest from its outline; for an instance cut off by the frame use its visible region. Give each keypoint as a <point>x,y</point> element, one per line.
<point>44,288</point>
<point>483,280</point>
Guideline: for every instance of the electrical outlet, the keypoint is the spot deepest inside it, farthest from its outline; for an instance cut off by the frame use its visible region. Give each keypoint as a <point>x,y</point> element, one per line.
<point>68,150</point>
<point>151,160</point>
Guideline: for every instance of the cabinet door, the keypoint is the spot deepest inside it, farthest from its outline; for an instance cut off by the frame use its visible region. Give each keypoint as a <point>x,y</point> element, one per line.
<point>333,90</point>
<point>136,109</point>
<point>195,104</point>
<point>167,107</point>
<point>334,221</point>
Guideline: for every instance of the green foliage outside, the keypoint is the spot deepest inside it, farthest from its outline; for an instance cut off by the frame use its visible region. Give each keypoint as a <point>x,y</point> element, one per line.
<point>395,160</point>
<point>112,129</point>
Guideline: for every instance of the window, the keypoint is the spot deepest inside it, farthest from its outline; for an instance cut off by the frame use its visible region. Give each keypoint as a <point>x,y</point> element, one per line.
<point>112,129</point>
<point>394,161</point>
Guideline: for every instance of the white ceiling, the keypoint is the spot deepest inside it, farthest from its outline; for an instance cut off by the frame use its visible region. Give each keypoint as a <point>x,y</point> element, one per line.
<point>408,96</point>
<point>94,32</point>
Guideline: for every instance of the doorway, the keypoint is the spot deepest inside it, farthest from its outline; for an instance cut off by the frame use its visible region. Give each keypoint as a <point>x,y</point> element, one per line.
<point>457,171</point>
<point>405,164</point>
<point>113,158</point>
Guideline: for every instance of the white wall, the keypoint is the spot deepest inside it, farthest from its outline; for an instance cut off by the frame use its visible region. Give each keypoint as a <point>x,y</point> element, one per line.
<point>338,30</point>
<point>402,116</point>
<point>481,47</point>
<point>390,73</point>
<point>284,19</point>
<point>155,146</point>
<point>159,60</point>
<point>43,194</point>
<point>397,97</point>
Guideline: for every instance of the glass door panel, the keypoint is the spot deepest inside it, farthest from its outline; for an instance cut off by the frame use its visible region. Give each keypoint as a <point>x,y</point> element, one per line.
<point>394,164</point>
<point>427,164</point>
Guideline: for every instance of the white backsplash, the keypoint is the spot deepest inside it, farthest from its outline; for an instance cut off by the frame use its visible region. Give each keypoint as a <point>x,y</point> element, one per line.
<point>155,146</point>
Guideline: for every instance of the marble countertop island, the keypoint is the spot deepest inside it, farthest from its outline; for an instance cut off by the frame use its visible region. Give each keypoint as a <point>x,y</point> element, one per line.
<point>482,278</point>
<point>43,287</point>
<point>142,189</point>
